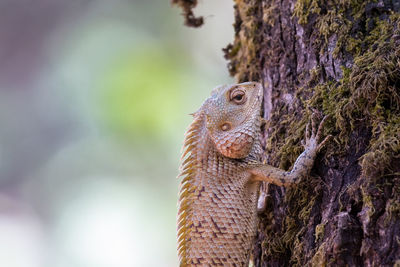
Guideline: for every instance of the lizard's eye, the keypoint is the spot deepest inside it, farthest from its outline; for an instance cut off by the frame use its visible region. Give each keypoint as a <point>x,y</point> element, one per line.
<point>226,126</point>
<point>238,96</point>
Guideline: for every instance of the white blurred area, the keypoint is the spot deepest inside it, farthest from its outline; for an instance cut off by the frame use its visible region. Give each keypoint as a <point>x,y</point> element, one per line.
<point>89,147</point>
<point>22,241</point>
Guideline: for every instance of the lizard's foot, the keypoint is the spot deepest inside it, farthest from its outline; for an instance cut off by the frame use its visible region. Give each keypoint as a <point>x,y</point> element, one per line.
<point>313,135</point>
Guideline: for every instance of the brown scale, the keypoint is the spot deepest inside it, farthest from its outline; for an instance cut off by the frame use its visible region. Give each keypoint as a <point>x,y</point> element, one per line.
<point>221,169</point>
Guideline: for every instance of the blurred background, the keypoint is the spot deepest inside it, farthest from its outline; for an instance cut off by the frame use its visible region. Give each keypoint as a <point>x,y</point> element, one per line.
<point>94,102</point>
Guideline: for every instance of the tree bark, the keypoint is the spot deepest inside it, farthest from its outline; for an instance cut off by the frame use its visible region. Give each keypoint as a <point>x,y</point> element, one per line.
<point>341,58</point>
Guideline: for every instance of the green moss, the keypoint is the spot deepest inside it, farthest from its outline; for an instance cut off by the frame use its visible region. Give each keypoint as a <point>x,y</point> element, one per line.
<point>297,216</point>
<point>367,202</point>
<point>383,147</point>
<point>304,8</point>
<point>330,23</point>
<point>245,50</point>
<point>393,210</point>
<point>373,84</point>
<point>368,92</point>
<point>354,46</point>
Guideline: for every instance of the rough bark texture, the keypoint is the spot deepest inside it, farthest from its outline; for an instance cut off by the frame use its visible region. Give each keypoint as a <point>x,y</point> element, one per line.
<point>342,58</point>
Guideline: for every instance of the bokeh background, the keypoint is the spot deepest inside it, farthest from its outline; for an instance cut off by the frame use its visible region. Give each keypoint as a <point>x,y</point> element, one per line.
<point>94,102</point>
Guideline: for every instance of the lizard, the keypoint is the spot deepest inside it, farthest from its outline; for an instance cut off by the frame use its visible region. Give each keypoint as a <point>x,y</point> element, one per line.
<point>221,173</point>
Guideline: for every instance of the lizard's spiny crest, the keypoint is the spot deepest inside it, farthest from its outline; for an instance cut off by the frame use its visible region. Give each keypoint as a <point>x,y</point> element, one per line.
<point>187,187</point>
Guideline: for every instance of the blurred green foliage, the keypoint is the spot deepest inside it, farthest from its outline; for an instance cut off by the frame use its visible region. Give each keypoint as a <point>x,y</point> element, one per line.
<point>139,93</point>
<point>89,144</point>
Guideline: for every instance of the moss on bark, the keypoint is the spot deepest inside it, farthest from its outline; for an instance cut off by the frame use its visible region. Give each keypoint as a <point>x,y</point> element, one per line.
<point>355,79</point>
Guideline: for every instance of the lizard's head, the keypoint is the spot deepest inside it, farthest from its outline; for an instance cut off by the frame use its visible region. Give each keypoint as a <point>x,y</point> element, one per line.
<point>233,117</point>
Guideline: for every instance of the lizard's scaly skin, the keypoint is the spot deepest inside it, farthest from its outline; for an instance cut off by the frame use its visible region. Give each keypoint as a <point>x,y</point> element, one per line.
<point>221,173</point>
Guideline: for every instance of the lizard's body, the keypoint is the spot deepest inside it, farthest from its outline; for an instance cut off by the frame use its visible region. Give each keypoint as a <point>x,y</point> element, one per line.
<point>221,171</point>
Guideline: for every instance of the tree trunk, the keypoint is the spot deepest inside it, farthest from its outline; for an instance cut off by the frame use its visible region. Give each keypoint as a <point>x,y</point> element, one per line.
<point>341,58</point>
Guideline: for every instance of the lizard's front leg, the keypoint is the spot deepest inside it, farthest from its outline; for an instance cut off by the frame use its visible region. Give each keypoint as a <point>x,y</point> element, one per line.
<point>303,164</point>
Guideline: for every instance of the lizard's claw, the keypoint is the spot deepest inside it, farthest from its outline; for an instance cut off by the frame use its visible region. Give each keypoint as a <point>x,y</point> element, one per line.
<point>323,143</point>
<point>319,133</point>
<point>313,135</point>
